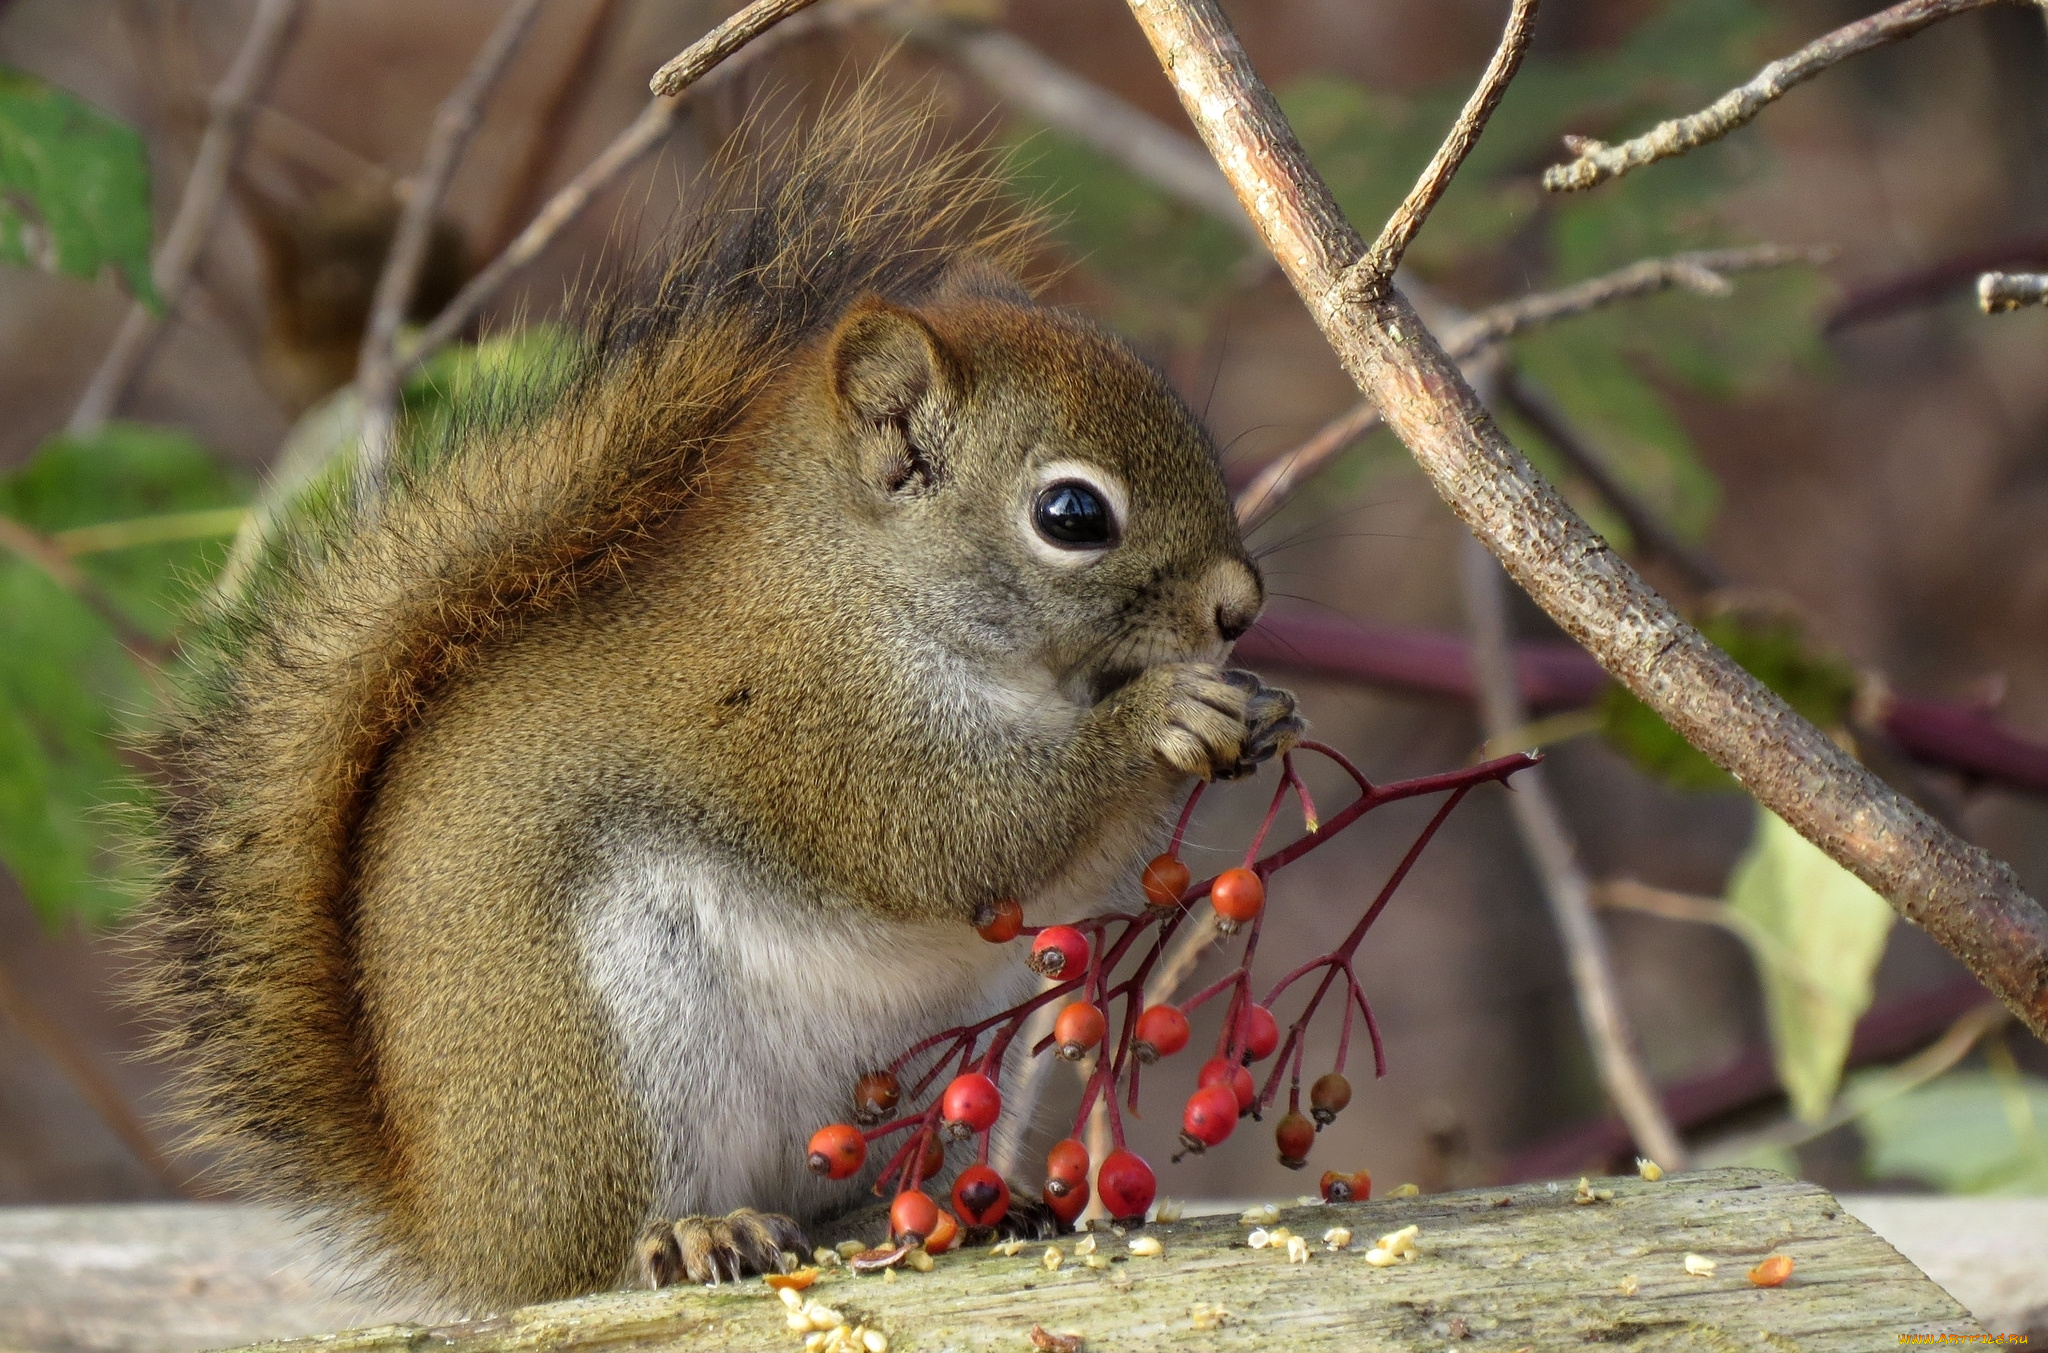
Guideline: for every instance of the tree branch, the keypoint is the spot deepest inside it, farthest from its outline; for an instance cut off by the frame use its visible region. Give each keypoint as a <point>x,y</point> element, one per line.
<point>1465,337</point>
<point>694,62</point>
<point>455,122</point>
<point>1596,162</point>
<point>1556,676</point>
<point>1970,902</point>
<point>227,131</point>
<point>1555,857</point>
<point>1377,268</point>
<point>2001,291</point>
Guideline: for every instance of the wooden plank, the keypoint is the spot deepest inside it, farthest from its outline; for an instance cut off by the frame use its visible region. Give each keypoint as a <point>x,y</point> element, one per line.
<point>1515,1268</point>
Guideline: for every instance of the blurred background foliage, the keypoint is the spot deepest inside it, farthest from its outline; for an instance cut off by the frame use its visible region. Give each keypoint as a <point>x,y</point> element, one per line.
<point>148,523</point>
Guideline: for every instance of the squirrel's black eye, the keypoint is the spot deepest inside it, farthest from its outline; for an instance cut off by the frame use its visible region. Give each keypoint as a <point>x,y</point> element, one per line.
<point>1073,515</point>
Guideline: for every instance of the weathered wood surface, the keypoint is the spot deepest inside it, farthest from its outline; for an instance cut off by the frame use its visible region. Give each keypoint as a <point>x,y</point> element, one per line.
<point>1536,1271</point>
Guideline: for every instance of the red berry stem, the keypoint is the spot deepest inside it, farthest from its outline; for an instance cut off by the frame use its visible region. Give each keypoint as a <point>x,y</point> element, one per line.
<point>1187,812</point>
<point>1309,818</point>
<point>1331,753</point>
<point>1251,852</point>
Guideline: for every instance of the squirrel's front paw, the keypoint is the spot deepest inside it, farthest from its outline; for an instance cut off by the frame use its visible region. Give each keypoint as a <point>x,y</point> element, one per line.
<point>1220,724</point>
<point>708,1249</point>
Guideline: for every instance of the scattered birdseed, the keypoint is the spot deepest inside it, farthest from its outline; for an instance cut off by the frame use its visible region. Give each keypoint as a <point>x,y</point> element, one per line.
<point>1587,1194</point>
<point>1259,1239</point>
<point>1265,1214</point>
<point>919,1259</point>
<point>1169,1209</point>
<point>1008,1248</point>
<point>1407,1191</point>
<point>1699,1266</point>
<point>1629,1285</point>
<point>1208,1317</point>
<point>1085,1246</point>
<point>1053,1257</point>
<point>1297,1250</point>
<point>1147,1247</point>
<point>1649,1169</point>
<point>1337,1237</point>
<point>849,1248</point>
<point>792,1282</point>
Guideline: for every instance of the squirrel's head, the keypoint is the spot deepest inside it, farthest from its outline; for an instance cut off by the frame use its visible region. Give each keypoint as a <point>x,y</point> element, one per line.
<point>1029,490</point>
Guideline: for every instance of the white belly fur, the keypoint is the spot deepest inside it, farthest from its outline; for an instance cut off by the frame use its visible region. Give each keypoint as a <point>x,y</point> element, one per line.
<point>745,1019</point>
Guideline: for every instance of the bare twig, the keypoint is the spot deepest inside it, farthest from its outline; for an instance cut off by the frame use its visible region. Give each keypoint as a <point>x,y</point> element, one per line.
<point>91,1083</point>
<point>696,60</point>
<point>1971,903</point>
<point>1934,281</point>
<point>455,122</point>
<point>1555,857</point>
<point>1704,272</point>
<point>50,559</point>
<point>1595,162</point>
<point>227,130</point>
<point>552,122</point>
<point>1026,78</point>
<point>2001,291</point>
<point>1466,336</point>
<point>1535,407</point>
<point>628,148</point>
<point>1376,269</point>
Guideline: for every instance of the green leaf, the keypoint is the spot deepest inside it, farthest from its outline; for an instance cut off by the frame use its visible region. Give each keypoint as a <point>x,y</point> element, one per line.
<point>69,694</point>
<point>1830,931</point>
<point>1967,1132</point>
<point>1774,650</point>
<point>74,187</point>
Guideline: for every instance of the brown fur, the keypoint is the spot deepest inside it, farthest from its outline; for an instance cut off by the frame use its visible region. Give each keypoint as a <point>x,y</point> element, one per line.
<point>673,604</point>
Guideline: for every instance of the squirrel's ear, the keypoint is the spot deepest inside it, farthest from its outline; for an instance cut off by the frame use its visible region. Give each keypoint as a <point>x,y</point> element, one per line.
<point>892,374</point>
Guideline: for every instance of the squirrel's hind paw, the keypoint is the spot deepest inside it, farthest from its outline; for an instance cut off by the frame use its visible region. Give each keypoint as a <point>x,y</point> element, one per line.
<point>711,1249</point>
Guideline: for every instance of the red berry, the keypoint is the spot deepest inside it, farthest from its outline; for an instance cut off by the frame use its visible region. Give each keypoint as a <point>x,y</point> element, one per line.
<point>1079,1028</point>
<point>1294,1136</point>
<point>1328,1096</point>
<point>971,1104</point>
<point>874,1095</point>
<point>981,1196</point>
<point>1066,1200</point>
<point>1238,896</point>
<point>944,1232</point>
<point>1162,1031</point>
<point>1126,1185</point>
<point>999,922</point>
<point>1239,1079</point>
<point>1067,1162</point>
<point>837,1150</point>
<point>913,1216</point>
<point>1258,1033</point>
<point>1210,1116</point>
<point>1339,1187</point>
<point>1166,878</point>
<point>933,1158</point>
<point>1059,951</point>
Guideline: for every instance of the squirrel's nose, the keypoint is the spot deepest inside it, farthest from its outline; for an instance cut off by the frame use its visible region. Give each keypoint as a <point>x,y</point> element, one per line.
<point>1235,593</point>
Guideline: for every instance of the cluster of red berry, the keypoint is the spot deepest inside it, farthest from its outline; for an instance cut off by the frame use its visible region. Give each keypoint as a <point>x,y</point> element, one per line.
<point>1079,959</point>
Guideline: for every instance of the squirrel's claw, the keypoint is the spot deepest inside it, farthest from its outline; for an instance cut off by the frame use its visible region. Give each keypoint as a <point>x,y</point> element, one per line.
<point>1271,726</point>
<point>710,1249</point>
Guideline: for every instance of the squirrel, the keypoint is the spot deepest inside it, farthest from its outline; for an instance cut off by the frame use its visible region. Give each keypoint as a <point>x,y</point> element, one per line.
<point>554,835</point>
